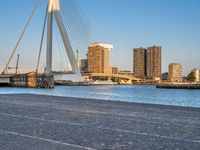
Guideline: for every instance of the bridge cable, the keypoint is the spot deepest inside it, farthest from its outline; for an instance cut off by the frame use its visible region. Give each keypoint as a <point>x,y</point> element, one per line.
<point>79,16</point>
<point>60,47</point>
<point>80,24</point>
<point>75,41</point>
<point>21,36</point>
<point>42,39</point>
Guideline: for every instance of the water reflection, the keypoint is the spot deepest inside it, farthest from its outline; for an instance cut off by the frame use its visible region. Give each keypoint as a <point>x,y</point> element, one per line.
<point>130,93</point>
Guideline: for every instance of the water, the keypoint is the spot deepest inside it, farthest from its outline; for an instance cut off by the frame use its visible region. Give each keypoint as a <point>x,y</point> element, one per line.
<point>130,93</point>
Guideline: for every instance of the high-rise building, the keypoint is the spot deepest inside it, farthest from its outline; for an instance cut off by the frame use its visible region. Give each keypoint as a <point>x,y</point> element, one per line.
<point>153,63</point>
<point>139,62</point>
<point>147,63</point>
<point>99,58</point>
<point>175,72</point>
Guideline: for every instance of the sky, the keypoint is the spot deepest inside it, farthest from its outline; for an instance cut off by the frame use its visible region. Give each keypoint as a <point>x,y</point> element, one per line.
<point>172,24</point>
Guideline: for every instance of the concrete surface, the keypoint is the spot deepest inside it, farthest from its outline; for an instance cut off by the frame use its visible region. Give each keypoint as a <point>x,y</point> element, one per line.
<point>34,122</point>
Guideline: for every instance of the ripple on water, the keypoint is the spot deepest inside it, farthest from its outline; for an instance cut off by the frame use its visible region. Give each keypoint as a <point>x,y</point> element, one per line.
<point>130,93</point>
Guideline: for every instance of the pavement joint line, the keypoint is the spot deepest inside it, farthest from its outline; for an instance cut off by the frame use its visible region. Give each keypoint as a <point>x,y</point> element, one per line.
<point>149,121</point>
<point>104,128</point>
<point>139,113</point>
<point>40,119</point>
<point>56,121</point>
<point>154,135</point>
<point>44,139</point>
<point>78,98</point>
<point>107,113</point>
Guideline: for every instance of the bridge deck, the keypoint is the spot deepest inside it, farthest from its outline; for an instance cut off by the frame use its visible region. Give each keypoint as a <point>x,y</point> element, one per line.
<point>36,122</point>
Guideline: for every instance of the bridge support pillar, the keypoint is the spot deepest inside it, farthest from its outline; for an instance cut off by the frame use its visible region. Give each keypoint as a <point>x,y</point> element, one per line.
<point>49,39</point>
<point>54,8</point>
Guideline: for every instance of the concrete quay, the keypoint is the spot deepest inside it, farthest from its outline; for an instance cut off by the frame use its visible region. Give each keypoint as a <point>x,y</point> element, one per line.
<point>179,86</point>
<point>36,122</point>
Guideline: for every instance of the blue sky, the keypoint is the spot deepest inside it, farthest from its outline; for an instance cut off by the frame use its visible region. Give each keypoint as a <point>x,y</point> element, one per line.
<point>127,24</point>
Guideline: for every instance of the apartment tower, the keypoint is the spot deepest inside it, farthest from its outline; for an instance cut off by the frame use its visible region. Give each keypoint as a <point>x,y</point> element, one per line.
<point>99,58</point>
<point>139,62</point>
<point>153,62</point>
<point>175,72</point>
<point>147,62</point>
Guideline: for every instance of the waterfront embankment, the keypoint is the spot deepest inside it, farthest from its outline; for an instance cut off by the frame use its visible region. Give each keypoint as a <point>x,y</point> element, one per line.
<point>179,86</point>
<point>59,123</point>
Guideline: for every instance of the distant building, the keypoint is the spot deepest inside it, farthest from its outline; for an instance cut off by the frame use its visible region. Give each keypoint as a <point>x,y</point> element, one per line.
<point>175,72</point>
<point>83,65</point>
<point>139,62</point>
<point>114,70</point>
<point>147,62</point>
<point>164,76</point>
<point>99,58</point>
<point>153,60</point>
<point>126,72</point>
<point>196,75</point>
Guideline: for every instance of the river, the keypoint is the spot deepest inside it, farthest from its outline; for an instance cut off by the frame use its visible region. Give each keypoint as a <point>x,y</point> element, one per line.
<point>130,93</point>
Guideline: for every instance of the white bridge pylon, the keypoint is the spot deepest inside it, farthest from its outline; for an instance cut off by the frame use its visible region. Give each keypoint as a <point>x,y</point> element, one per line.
<point>54,9</point>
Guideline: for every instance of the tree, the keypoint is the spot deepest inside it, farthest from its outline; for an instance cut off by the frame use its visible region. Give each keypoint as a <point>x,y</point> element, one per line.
<point>191,76</point>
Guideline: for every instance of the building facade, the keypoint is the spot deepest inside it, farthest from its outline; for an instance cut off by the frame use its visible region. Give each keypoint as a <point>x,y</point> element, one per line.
<point>153,63</point>
<point>164,76</point>
<point>175,72</point>
<point>196,75</point>
<point>147,62</point>
<point>83,65</point>
<point>114,70</point>
<point>126,73</point>
<point>99,58</point>
<point>139,62</point>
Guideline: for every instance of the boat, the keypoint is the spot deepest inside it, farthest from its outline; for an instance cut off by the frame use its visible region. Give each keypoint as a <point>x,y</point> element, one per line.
<point>102,82</point>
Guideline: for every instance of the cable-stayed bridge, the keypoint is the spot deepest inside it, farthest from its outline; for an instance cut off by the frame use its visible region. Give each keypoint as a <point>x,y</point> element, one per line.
<point>64,29</point>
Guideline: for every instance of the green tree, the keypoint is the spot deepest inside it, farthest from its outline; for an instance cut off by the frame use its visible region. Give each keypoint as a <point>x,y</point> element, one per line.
<point>191,76</point>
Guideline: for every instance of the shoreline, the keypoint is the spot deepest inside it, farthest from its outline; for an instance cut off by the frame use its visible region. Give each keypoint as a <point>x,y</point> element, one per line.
<point>133,93</point>
<point>179,86</point>
<point>104,101</point>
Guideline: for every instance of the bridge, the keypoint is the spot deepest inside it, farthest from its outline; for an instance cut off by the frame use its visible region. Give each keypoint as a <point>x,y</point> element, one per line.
<point>123,78</point>
<point>72,32</point>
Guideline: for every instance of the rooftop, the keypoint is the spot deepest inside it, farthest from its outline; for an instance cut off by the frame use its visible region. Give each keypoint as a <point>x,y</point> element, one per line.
<point>109,46</point>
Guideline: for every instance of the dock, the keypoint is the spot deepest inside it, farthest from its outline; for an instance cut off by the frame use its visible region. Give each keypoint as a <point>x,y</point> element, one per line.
<point>28,80</point>
<point>37,122</point>
<point>179,86</point>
